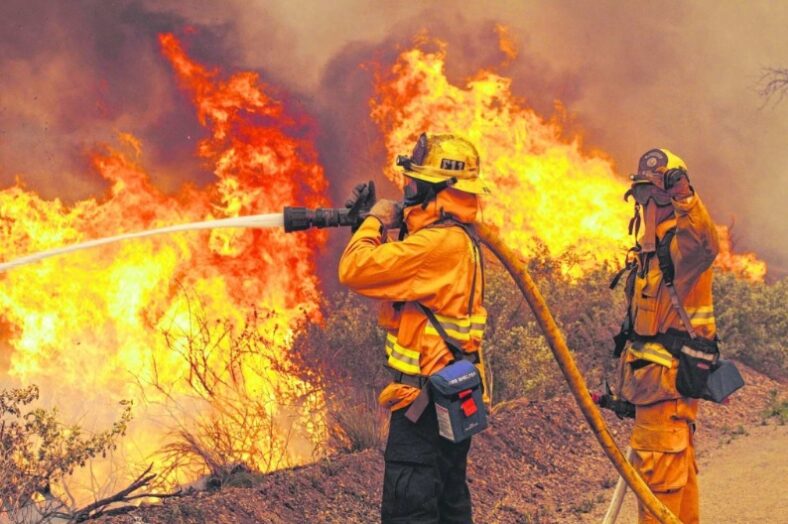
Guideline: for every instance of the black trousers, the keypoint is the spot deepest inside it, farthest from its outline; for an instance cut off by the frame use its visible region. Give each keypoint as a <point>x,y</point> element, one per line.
<point>424,481</point>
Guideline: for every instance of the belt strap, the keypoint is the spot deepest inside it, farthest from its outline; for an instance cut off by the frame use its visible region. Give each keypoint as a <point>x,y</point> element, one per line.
<point>418,406</point>
<point>417,381</point>
<point>674,340</point>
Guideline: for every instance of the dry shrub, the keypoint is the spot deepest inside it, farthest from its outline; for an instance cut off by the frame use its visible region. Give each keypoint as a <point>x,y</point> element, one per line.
<point>37,451</point>
<point>586,310</point>
<point>347,348</point>
<point>357,424</point>
<point>346,353</point>
<point>240,406</point>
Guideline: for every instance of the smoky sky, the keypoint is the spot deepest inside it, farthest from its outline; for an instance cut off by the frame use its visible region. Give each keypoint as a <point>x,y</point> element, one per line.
<point>632,76</point>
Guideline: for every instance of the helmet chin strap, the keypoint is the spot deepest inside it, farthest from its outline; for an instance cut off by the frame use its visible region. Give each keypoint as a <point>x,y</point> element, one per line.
<point>426,192</point>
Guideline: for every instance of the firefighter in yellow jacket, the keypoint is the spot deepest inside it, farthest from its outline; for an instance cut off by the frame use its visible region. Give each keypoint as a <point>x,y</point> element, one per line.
<point>437,264</point>
<point>676,224</point>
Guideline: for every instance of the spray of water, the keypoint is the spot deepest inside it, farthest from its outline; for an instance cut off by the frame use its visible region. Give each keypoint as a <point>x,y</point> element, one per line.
<point>269,220</point>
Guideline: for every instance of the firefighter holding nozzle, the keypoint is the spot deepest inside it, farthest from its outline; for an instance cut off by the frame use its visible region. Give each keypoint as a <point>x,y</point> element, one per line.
<point>668,345</point>
<point>432,282</point>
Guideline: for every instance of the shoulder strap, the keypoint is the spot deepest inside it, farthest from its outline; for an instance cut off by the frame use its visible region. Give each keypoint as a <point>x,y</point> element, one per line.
<point>668,273</point>
<point>663,255</point>
<point>470,231</point>
<point>452,343</point>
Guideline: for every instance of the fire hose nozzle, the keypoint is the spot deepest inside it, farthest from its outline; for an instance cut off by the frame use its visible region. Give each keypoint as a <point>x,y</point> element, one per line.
<point>302,218</point>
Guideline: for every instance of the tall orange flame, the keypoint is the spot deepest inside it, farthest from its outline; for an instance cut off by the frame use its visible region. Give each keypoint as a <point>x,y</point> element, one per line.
<point>548,191</point>
<point>89,329</point>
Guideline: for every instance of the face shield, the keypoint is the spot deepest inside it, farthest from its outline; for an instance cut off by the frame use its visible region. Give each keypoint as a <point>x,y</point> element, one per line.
<point>650,196</point>
<point>420,192</point>
<point>648,186</point>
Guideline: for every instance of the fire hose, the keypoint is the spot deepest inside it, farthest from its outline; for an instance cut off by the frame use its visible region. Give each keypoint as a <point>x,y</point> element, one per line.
<point>297,219</point>
<point>574,378</point>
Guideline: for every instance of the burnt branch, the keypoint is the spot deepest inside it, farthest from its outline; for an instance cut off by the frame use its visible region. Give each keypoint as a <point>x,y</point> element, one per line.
<point>101,507</point>
<point>773,84</point>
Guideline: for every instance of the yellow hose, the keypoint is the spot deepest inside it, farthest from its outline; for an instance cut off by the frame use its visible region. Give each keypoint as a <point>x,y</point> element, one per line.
<point>572,374</point>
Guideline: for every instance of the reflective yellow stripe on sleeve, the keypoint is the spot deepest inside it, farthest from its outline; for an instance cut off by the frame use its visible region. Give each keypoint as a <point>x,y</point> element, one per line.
<point>701,316</point>
<point>402,358</point>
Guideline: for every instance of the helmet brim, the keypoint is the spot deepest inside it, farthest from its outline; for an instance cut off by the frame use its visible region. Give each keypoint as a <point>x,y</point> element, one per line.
<point>435,176</point>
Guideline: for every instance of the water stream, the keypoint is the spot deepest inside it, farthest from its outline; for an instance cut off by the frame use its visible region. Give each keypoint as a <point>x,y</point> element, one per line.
<point>269,220</point>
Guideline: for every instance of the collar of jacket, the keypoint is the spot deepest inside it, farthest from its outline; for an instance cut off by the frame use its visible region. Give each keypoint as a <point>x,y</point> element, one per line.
<point>462,206</point>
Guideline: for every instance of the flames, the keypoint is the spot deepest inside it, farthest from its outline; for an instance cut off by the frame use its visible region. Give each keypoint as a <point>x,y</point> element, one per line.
<point>548,192</point>
<point>744,265</point>
<point>120,322</point>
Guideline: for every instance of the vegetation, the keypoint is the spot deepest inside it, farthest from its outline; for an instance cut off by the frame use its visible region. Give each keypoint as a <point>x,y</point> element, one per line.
<point>776,408</point>
<point>344,355</point>
<point>238,409</point>
<point>752,322</point>
<point>773,84</point>
<point>37,451</point>
<point>235,416</point>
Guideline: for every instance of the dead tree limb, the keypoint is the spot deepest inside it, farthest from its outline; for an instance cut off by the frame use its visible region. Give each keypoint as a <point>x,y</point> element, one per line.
<point>102,506</point>
<point>773,84</point>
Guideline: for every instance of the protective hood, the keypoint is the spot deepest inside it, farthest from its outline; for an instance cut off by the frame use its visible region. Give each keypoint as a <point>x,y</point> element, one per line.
<point>460,205</point>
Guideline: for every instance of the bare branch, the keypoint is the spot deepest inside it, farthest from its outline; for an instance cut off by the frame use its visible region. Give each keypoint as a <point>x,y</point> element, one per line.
<point>773,84</point>
<point>100,507</point>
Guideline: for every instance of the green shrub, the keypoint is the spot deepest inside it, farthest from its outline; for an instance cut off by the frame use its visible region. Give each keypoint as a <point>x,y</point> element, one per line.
<point>776,407</point>
<point>586,310</point>
<point>752,322</point>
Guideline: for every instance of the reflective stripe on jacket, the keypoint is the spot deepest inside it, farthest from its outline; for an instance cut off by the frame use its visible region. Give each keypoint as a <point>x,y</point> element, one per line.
<point>435,265</point>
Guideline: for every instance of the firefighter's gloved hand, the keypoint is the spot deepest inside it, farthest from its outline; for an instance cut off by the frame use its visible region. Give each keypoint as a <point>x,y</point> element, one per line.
<point>677,184</point>
<point>357,193</point>
<point>388,212</point>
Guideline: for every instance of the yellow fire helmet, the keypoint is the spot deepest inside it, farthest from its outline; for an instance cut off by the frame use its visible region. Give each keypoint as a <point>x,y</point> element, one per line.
<point>656,161</point>
<point>442,157</point>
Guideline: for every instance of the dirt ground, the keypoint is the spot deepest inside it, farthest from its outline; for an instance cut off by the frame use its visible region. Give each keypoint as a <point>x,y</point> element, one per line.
<point>741,482</point>
<point>538,463</point>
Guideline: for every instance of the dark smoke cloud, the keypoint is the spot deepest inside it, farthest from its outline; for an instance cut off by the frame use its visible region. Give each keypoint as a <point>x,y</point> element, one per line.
<point>77,73</point>
<point>632,75</point>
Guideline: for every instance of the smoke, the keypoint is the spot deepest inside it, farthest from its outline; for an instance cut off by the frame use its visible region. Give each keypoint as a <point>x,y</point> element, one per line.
<point>75,74</point>
<point>630,76</point>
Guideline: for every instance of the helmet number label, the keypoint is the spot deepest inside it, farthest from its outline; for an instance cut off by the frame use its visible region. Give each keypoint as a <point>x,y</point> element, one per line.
<point>452,165</point>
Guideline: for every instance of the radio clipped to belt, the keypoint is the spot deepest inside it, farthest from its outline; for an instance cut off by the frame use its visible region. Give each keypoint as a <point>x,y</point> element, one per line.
<point>456,391</point>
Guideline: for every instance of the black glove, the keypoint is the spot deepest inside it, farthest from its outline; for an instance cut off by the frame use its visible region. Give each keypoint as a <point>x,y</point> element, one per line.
<point>362,199</point>
<point>676,182</point>
<point>360,202</point>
